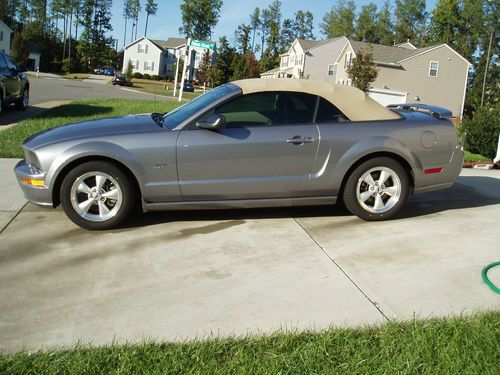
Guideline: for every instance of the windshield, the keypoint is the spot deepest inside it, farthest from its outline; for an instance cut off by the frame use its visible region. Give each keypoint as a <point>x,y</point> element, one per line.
<point>182,113</point>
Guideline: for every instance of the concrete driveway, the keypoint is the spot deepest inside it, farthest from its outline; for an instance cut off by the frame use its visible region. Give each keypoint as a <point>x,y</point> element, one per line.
<point>172,276</point>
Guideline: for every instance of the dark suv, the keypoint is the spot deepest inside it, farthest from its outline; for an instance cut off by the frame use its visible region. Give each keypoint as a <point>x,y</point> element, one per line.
<point>14,85</point>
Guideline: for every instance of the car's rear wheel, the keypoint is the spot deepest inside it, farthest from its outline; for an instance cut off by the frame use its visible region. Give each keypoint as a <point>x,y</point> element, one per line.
<point>97,195</point>
<point>2,103</point>
<point>377,189</point>
<point>23,102</point>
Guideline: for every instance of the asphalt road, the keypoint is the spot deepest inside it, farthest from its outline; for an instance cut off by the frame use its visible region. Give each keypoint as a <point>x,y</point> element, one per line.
<point>49,90</point>
<point>180,275</point>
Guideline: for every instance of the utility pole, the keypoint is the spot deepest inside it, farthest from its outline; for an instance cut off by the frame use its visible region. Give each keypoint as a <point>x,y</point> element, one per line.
<point>486,67</point>
<point>186,62</point>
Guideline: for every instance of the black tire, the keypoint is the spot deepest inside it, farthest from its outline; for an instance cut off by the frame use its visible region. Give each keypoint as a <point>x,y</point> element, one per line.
<point>2,104</point>
<point>103,211</point>
<point>23,102</point>
<point>382,200</point>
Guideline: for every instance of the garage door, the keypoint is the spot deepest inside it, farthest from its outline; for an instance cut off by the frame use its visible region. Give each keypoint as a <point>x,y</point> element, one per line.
<point>386,97</point>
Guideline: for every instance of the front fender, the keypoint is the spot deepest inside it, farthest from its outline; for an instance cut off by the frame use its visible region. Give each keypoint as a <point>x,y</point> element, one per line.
<point>94,149</point>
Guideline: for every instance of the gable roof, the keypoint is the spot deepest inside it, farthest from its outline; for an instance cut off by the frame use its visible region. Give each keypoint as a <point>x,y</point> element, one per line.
<point>4,24</point>
<point>170,43</point>
<point>307,44</point>
<point>393,55</point>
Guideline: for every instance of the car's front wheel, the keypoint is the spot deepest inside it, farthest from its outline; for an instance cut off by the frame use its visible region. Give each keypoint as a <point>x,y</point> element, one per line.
<point>97,195</point>
<point>377,189</point>
<point>23,102</point>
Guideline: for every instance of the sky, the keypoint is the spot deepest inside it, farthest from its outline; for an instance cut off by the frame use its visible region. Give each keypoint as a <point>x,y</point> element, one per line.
<point>167,21</point>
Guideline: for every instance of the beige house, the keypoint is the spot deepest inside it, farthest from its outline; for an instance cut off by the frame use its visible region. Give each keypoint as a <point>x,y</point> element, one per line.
<point>434,75</point>
<point>5,35</point>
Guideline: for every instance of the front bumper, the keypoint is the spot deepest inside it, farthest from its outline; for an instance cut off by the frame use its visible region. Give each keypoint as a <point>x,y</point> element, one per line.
<point>40,195</point>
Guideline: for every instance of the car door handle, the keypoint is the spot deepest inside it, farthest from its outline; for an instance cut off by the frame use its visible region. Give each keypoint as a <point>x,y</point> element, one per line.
<point>298,140</point>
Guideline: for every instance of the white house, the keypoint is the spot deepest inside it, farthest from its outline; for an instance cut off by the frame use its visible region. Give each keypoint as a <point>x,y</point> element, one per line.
<point>5,35</point>
<point>157,57</point>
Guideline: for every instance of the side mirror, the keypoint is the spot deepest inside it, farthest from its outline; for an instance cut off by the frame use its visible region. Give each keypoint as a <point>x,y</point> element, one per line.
<point>212,122</point>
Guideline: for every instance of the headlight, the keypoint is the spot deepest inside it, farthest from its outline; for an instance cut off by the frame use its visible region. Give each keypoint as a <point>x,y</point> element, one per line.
<point>32,162</point>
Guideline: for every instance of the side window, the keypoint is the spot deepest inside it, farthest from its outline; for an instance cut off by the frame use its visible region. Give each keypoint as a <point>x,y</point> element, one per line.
<point>252,109</point>
<point>328,113</point>
<point>269,108</point>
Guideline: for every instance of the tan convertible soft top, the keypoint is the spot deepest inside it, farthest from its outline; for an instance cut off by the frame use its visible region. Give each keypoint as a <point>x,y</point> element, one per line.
<point>354,103</point>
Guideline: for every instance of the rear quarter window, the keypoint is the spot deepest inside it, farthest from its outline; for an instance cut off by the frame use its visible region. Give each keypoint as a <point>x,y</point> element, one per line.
<point>329,113</point>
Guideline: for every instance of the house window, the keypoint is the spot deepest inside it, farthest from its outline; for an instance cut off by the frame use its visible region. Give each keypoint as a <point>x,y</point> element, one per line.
<point>347,60</point>
<point>142,48</point>
<point>1,36</point>
<point>331,69</point>
<point>433,68</point>
<point>284,62</point>
<point>135,64</point>
<point>149,65</point>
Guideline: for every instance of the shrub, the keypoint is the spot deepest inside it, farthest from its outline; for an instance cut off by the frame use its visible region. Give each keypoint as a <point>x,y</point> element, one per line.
<point>482,130</point>
<point>156,77</point>
<point>146,76</point>
<point>137,75</point>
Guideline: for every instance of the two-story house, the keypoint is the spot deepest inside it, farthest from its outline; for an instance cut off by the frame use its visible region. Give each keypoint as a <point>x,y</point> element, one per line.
<point>434,75</point>
<point>158,57</point>
<point>5,36</point>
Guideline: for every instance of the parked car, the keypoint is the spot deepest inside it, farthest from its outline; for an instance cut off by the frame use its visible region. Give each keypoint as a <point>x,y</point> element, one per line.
<point>14,85</point>
<point>98,70</point>
<point>108,71</point>
<point>188,87</point>
<point>121,80</point>
<point>249,143</point>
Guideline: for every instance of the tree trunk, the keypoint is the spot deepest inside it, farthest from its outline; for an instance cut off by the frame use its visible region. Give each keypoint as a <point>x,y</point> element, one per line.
<point>146,29</point>
<point>69,42</point>
<point>125,33</point>
<point>136,25</point>
<point>65,27</point>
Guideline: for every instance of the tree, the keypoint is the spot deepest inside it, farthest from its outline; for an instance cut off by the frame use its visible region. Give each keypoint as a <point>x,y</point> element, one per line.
<point>410,21</point>
<point>366,29</point>
<point>339,21</point>
<point>135,9</point>
<point>129,70</point>
<point>242,37</point>
<point>20,52</point>
<point>362,71</point>
<point>225,56</point>
<point>384,27</point>
<point>272,18</point>
<point>151,8</point>
<point>255,25</point>
<point>199,17</point>
<point>127,14</point>
<point>303,25</point>
<point>288,34</point>
<point>202,73</point>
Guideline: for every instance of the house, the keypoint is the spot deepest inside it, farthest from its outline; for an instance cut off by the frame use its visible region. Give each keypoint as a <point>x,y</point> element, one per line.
<point>34,56</point>
<point>158,57</point>
<point>5,37</point>
<point>434,75</point>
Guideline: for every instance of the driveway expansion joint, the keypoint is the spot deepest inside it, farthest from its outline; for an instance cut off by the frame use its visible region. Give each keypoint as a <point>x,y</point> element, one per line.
<point>13,217</point>
<point>375,304</point>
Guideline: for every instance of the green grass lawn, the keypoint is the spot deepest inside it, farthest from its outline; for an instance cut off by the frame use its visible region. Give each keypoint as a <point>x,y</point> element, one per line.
<point>475,157</point>
<point>12,138</point>
<point>160,88</point>
<point>458,345</point>
<point>78,76</point>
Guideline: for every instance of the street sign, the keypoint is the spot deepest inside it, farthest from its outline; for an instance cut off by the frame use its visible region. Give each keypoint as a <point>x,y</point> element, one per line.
<point>200,44</point>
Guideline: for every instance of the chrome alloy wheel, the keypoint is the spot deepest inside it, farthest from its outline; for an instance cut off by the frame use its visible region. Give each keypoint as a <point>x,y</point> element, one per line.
<point>378,190</point>
<point>96,196</point>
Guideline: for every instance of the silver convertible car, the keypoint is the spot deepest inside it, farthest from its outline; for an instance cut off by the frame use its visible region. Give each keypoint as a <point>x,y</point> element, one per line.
<point>249,143</point>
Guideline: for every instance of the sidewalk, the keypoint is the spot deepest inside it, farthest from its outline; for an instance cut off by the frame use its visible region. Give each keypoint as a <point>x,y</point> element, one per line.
<point>12,200</point>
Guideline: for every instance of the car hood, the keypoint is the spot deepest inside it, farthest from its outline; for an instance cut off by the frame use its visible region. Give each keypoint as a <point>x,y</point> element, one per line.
<point>94,128</point>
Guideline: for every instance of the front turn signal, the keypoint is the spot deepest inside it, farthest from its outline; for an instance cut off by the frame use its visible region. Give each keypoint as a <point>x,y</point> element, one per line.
<point>29,181</point>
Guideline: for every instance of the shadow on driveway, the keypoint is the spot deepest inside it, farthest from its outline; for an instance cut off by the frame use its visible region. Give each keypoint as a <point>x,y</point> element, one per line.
<point>459,196</point>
